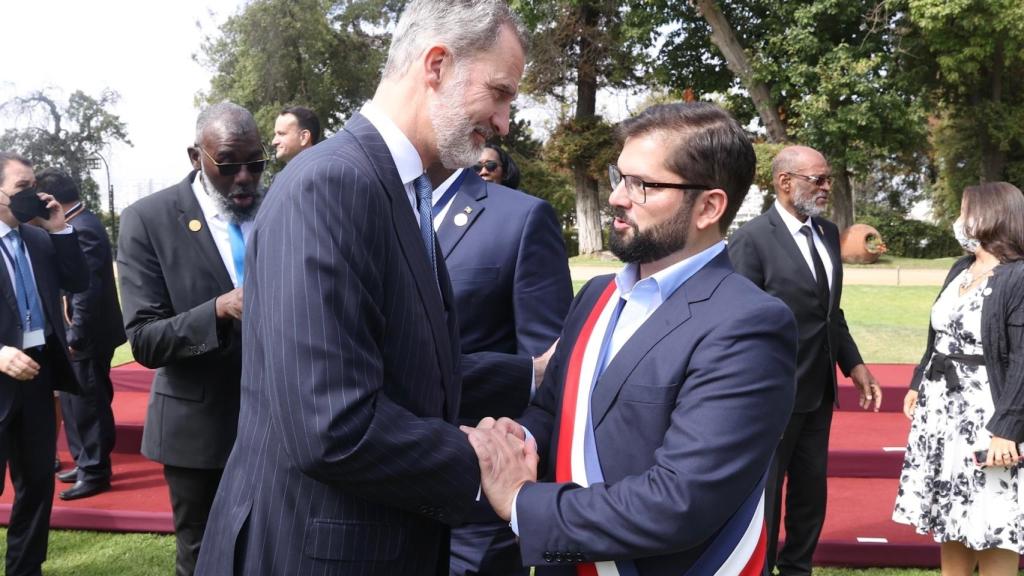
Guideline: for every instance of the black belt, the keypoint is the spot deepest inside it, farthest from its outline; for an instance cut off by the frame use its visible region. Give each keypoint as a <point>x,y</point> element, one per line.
<point>944,365</point>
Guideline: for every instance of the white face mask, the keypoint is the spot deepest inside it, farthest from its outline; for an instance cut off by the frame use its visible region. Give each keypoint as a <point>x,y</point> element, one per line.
<point>969,244</point>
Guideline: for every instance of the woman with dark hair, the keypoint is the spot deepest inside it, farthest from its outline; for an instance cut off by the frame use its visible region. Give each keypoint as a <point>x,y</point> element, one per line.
<point>495,165</point>
<point>961,481</point>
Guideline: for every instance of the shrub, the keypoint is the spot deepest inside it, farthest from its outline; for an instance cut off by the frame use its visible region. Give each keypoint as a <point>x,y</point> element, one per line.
<point>913,238</point>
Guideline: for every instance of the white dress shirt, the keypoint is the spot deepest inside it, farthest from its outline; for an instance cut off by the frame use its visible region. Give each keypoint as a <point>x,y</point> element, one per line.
<point>794,227</point>
<point>218,222</point>
<point>439,192</point>
<point>406,158</point>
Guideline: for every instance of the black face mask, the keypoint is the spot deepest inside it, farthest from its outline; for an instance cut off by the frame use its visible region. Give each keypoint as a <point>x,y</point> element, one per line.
<point>25,205</point>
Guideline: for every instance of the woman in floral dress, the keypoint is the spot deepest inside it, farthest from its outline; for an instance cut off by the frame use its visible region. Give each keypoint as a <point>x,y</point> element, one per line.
<point>967,396</point>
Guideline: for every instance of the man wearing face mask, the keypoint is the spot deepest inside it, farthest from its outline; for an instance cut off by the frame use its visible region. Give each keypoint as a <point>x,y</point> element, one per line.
<point>181,259</point>
<point>39,262</point>
<point>792,253</point>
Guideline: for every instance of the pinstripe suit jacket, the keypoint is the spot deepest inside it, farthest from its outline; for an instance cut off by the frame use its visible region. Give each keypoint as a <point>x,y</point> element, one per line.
<point>346,460</point>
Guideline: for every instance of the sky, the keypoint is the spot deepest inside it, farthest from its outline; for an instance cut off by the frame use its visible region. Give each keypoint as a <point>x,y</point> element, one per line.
<point>142,49</point>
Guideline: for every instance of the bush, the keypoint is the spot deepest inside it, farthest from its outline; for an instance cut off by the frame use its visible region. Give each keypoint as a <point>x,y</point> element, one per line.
<point>913,238</point>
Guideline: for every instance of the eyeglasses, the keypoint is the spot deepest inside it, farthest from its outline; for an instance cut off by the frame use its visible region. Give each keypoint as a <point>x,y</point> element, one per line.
<point>818,181</point>
<point>636,189</point>
<point>232,168</point>
<point>491,166</point>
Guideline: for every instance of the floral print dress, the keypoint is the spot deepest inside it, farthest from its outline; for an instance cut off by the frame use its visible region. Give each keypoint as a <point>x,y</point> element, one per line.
<point>942,491</point>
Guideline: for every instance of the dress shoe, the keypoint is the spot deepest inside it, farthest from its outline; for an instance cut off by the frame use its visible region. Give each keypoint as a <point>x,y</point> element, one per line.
<point>84,489</point>
<point>69,477</point>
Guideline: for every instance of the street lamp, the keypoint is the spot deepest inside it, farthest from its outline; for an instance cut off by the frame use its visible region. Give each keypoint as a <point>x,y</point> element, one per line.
<point>93,164</point>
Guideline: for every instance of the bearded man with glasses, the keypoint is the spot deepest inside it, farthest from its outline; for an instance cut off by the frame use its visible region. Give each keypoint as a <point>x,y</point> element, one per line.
<point>181,258</point>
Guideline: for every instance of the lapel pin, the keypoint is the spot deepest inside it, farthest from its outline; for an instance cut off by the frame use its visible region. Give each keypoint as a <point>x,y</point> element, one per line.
<point>195,225</point>
<point>460,219</point>
<point>468,210</point>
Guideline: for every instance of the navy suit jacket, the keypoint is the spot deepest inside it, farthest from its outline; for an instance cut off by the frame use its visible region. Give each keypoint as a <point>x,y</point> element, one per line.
<point>57,264</point>
<point>764,251</point>
<point>171,275</point>
<point>347,460</point>
<point>686,418</point>
<point>95,314</point>
<point>510,277</point>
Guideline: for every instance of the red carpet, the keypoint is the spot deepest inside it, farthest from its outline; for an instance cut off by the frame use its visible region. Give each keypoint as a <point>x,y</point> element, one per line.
<point>866,454</point>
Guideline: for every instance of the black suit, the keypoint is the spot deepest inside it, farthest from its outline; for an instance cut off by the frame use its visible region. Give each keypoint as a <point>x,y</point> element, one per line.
<point>171,274</point>
<point>347,461</point>
<point>765,251</point>
<point>27,424</point>
<point>510,276</point>
<point>95,328</point>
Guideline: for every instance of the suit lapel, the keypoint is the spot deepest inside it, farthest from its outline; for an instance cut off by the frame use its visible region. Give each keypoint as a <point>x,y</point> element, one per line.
<point>469,201</point>
<point>201,240</point>
<point>8,289</point>
<point>788,245</point>
<point>670,315</point>
<point>407,230</point>
<point>831,243</point>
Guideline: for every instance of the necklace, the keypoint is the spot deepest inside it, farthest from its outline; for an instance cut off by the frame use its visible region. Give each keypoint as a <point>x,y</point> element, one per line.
<point>971,278</point>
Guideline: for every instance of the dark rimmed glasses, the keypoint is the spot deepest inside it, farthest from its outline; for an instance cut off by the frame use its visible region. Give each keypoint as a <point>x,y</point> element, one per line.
<point>491,166</point>
<point>636,188</point>
<point>818,181</point>
<point>232,168</point>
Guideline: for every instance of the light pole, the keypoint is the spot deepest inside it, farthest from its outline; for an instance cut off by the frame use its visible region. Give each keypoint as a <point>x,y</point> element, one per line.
<point>110,198</point>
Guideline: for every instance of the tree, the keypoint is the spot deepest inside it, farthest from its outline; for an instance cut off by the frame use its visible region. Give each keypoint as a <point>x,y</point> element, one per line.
<point>323,54</point>
<point>65,135</point>
<point>968,58</point>
<point>826,67</point>
<point>578,45</point>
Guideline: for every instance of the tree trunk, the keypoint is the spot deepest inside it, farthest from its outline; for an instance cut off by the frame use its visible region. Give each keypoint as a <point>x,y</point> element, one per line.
<point>588,202</point>
<point>993,159</point>
<point>738,61</point>
<point>842,197</point>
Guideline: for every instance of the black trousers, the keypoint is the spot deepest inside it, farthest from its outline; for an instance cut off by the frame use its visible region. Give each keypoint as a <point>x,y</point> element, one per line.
<point>89,418</point>
<point>28,440</point>
<point>192,491</point>
<point>801,462</point>
<point>485,549</point>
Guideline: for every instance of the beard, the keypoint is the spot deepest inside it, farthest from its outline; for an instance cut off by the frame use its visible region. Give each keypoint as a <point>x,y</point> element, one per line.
<point>453,129</point>
<point>654,243</point>
<point>805,204</point>
<point>223,201</point>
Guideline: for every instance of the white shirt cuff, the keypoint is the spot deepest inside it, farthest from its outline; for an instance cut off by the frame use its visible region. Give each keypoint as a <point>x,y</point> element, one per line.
<point>67,230</point>
<point>514,523</point>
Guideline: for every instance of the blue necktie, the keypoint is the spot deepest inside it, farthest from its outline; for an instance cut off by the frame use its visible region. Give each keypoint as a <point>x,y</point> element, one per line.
<point>28,297</point>
<point>237,250</point>
<point>424,201</point>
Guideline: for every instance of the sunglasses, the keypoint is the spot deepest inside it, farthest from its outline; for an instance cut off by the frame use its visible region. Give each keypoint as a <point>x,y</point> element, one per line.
<point>818,181</point>
<point>232,168</point>
<point>491,166</point>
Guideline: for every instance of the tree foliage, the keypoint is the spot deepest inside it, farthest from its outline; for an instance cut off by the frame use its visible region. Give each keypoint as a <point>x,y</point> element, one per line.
<point>967,58</point>
<point>323,54</point>
<point>64,134</point>
<point>831,72</point>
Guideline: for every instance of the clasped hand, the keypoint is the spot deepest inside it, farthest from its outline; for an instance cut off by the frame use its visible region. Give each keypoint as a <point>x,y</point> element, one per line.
<point>508,459</point>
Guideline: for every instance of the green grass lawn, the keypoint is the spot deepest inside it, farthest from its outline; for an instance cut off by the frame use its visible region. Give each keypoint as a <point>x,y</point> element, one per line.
<point>76,553</point>
<point>889,323</point>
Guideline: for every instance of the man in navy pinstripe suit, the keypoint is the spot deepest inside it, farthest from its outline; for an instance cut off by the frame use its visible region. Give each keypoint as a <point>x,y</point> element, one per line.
<point>347,460</point>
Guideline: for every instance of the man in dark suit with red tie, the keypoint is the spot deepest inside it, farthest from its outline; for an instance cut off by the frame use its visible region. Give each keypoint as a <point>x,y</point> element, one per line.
<point>348,461</point>
<point>41,257</point>
<point>792,253</point>
<point>181,262</point>
<point>673,378</point>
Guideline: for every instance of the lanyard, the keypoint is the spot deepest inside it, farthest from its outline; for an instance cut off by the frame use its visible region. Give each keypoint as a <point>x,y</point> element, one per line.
<point>19,282</point>
<point>448,195</point>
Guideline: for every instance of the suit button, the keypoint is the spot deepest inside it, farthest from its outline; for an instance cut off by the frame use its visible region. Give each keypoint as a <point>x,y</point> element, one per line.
<point>548,557</point>
<point>559,557</point>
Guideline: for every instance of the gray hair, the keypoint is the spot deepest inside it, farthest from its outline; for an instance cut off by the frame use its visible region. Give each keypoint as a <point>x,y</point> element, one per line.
<point>466,27</point>
<point>6,157</point>
<point>233,119</point>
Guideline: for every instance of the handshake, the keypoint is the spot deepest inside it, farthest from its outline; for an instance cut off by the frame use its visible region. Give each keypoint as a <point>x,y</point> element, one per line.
<point>508,460</point>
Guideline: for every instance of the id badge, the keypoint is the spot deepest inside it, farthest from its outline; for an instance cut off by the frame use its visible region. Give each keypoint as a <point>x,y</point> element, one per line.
<point>33,339</point>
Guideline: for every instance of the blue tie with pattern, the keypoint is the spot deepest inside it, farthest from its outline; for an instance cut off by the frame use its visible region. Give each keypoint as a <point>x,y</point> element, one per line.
<point>424,201</point>
<point>237,250</point>
<point>28,297</point>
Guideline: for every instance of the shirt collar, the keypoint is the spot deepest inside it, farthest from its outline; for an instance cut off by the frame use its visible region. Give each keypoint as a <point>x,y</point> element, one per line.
<point>406,158</point>
<point>4,229</point>
<point>670,279</point>
<point>792,223</point>
<point>444,186</point>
